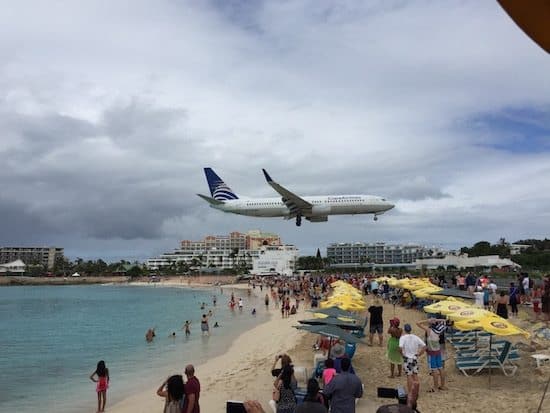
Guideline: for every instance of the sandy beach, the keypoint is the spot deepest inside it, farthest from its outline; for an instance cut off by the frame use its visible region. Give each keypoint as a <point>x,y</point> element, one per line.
<point>243,372</point>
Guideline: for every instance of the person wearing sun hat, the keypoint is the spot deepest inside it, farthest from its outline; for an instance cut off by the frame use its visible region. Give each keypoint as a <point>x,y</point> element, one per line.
<point>393,354</point>
<point>433,328</point>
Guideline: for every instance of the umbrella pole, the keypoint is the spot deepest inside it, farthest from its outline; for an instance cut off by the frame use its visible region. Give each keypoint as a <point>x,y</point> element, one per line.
<point>329,347</point>
<point>490,358</point>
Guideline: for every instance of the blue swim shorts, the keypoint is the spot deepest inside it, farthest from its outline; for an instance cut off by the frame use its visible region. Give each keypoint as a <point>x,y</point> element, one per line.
<point>435,362</point>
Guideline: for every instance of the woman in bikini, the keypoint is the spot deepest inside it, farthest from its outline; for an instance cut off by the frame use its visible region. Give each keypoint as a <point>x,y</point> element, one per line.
<point>101,377</point>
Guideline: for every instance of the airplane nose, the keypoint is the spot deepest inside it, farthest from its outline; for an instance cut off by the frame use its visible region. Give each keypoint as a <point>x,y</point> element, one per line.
<point>390,206</point>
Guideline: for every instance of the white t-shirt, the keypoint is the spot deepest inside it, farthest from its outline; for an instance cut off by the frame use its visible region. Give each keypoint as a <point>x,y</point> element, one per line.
<point>479,298</point>
<point>411,345</point>
<point>525,283</point>
<point>493,287</point>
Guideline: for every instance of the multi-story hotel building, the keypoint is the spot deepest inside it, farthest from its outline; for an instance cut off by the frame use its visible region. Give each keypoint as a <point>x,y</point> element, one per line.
<point>359,253</point>
<point>225,252</point>
<point>31,255</point>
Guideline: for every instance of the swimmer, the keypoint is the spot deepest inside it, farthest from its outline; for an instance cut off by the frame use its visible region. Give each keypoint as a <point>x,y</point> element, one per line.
<point>186,327</point>
<point>253,311</point>
<point>216,325</point>
<point>150,335</point>
<point>209,313</point>
<point>173,334</point>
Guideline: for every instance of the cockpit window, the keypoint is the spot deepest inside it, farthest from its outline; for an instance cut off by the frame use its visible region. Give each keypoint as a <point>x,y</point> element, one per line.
<point>383,199</point>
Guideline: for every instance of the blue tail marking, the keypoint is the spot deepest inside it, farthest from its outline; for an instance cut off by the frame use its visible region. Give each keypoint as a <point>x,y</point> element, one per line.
<point>218,188</point>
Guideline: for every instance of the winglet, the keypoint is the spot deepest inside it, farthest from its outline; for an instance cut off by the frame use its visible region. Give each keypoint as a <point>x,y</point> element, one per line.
<point>267,177</point>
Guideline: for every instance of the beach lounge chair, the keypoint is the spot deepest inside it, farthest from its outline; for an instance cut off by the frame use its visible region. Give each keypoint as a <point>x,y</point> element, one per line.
<point>496,346</point>
<point>475,344</point>
<point>499,359</point>
<point>459,336</point>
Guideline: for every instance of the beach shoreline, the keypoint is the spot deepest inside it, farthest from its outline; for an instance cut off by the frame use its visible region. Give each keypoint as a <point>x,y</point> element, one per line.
<point>243,371</point>
<point>249,356</point>
<point>176,280</point>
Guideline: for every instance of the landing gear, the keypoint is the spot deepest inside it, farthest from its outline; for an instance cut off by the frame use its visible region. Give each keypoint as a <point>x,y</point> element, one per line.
<point>298,220</point>
<point>375,218</point>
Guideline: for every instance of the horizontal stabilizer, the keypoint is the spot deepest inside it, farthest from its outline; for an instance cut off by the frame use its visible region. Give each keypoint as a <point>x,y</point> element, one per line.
<point>211,201</point>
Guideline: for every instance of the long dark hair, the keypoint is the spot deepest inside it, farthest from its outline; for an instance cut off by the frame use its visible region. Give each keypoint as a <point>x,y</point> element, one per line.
<point>101,370</point>
<point>312,394</point>
<point>175,387</point>
<point>286,376</point>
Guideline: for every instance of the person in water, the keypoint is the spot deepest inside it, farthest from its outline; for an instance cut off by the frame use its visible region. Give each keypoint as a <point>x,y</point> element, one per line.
<point>186,327</point>
<point>204,325</point>
<point>150,335</point>
<point>101,377</point>
<point>216,325</point>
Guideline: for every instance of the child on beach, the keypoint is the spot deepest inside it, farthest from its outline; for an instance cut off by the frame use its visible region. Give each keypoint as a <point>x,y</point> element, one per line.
<point>102,380</point>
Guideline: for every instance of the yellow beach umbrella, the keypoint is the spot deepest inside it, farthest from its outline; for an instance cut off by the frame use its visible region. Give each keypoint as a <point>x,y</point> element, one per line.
<point>501,327</point>
<point>471,313</point>
<point>426,292</point>
<point>446,307</point>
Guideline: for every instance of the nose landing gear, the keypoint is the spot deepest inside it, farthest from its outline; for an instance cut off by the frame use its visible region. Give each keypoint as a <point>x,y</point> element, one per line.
<point>298,220</point>
<point>375,218</point>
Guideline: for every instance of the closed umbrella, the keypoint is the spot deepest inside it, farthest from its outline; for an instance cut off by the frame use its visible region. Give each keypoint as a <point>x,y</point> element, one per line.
<point>332,332</point>
<point>335,312</point>
<point>331,321</point>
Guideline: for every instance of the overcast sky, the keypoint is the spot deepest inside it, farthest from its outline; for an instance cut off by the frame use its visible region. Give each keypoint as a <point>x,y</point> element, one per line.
<point>110,110</point>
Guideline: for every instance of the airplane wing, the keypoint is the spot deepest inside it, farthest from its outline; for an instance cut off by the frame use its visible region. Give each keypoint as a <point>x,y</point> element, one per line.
<point>293,202</point>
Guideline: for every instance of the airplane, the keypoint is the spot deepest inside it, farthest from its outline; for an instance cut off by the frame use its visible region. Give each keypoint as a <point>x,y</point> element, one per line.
<point>289,205</point>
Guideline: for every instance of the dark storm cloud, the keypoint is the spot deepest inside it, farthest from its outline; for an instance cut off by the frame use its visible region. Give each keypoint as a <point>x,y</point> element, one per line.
<point>20,225</point>
<point>104,180</point>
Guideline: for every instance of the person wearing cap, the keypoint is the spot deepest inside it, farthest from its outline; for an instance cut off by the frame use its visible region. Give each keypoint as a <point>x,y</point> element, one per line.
<point>411,347</point>
<point>394,355</point>
<point>338,353</point>
<point>433,328</point>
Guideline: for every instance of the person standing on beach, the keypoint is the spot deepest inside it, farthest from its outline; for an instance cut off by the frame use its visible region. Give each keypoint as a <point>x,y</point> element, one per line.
<point>376,321</point>
<point>411,347</point>
<point>172,390</point>
<point>343,389</point>
<point>394,355</point>
<point>433,328</point>
<point>502,305</point>
<point>102,380</point>
<point>266,301</point>
<point>192,391</point>
<point>513,295</point>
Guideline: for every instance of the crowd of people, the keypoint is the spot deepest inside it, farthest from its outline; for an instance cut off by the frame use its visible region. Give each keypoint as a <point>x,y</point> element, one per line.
<point>337,386</point>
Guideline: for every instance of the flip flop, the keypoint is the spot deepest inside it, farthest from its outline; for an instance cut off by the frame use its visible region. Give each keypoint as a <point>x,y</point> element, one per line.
<point>431,391</point>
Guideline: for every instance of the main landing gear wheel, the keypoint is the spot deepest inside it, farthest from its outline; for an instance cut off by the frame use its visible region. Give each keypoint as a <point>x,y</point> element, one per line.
<point>375,218</point>
<point>298,220</point>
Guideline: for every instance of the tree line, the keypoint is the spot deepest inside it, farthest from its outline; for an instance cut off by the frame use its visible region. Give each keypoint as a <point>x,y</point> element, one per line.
<point>535,256</point>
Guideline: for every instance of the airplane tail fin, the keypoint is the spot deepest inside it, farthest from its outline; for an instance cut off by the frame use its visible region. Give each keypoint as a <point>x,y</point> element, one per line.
<point>218,188</point>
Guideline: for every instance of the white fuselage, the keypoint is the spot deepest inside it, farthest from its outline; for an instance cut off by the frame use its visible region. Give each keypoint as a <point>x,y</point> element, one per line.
<point>323,206</point>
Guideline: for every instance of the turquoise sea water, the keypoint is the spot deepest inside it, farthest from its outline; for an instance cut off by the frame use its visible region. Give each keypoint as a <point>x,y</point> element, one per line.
<point>53,336</point>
